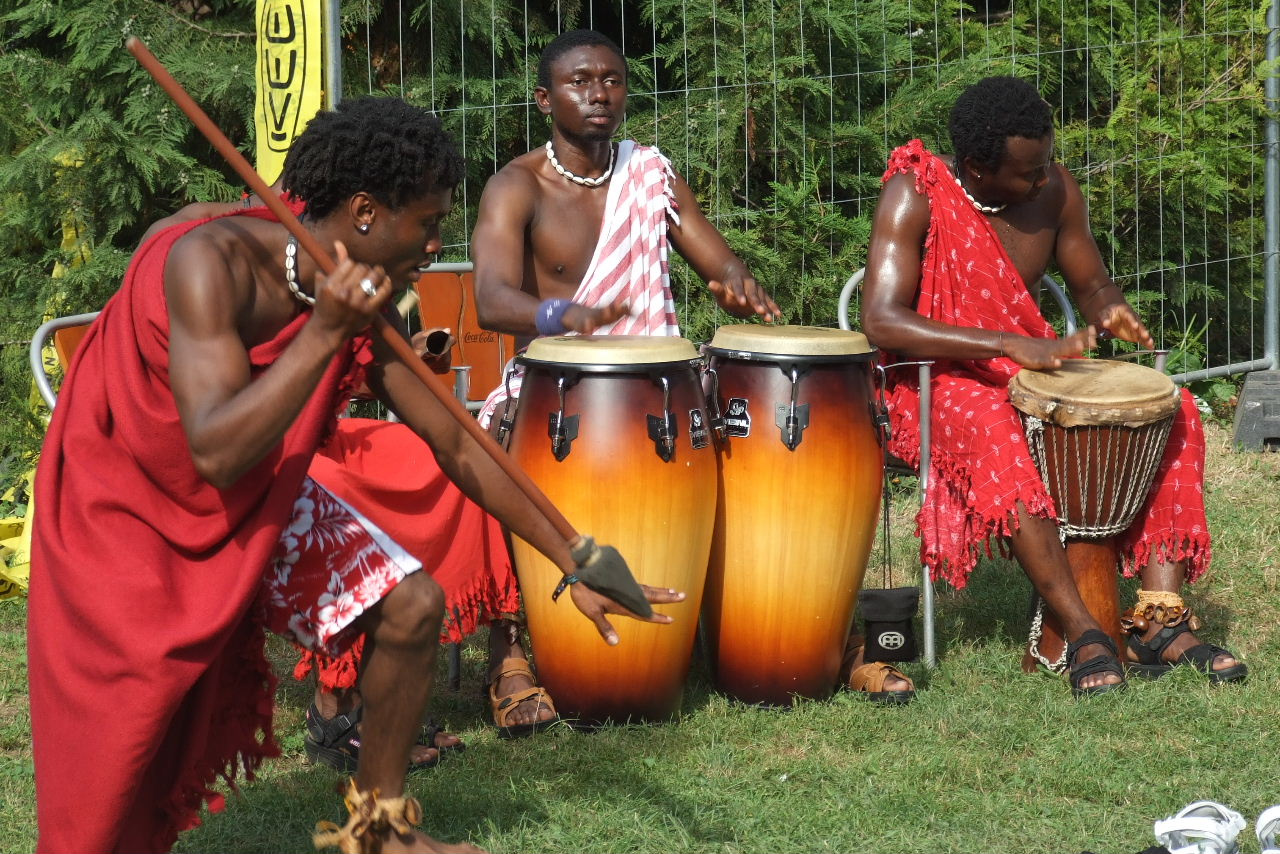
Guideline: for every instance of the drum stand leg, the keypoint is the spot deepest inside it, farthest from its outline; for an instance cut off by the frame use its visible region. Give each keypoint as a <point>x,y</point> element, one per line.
<point>1094,567</point>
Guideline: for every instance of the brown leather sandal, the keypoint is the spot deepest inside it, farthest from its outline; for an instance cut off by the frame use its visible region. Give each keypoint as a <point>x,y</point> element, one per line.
<point>371,818</point>
<point>869,679</point>
<point>504,707</point>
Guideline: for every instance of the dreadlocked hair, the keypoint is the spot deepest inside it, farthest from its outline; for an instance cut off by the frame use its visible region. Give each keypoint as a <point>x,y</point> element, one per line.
<point>566,42</point>
<point>382,146</point>
<point>992,110</point>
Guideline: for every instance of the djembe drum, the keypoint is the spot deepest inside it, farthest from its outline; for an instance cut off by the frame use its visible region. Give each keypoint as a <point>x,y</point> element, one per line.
<point>1097,432</point>
<point>614,430</point>
<point>800,482</point>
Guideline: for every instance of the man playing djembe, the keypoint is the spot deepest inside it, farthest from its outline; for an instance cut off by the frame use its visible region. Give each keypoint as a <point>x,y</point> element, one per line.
<point>954,243</point>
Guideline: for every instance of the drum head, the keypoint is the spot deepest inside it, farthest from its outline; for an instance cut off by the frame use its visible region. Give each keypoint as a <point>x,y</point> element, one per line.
<point>1096,392</point>
<point>609,350</point>
<point>745,340</point>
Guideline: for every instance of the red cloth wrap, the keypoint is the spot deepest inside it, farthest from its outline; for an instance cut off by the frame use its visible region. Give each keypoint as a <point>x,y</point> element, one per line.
<point>147,674</point>
<point>388,473</point>
<point>981,465</point>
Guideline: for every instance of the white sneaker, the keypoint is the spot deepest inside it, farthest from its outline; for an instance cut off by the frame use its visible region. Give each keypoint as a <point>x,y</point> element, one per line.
<point>1203,827</point>
<point>1268,830</point>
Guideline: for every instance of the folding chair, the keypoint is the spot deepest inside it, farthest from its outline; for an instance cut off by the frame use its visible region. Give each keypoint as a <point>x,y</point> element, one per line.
<point>925,373</point>
<point>446,298</point>
<point>67,333</point>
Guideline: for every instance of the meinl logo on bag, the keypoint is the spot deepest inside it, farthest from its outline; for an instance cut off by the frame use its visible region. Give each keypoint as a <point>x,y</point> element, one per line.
<point>891,640</point>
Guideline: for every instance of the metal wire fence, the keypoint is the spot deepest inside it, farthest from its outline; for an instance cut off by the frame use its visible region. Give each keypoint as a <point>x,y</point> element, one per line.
<point>781,114</point>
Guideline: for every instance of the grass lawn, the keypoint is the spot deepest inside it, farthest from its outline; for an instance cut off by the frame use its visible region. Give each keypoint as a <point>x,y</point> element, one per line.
<point>986,758</point>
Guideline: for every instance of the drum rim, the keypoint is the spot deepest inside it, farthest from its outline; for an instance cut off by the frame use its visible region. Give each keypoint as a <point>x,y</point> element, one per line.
<point>1063,411</point>
<point>609,367</point>
<point>791,340</point>
<point>757,356</point>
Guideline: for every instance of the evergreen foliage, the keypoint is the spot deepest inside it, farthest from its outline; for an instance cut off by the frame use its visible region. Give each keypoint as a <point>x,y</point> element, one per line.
<point>780,115</point>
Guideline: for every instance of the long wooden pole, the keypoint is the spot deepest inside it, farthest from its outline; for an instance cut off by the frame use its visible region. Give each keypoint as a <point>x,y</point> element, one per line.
<point>390,336</point>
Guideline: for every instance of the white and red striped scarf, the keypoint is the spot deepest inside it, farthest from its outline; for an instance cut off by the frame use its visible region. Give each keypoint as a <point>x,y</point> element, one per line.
<point>630,259</point>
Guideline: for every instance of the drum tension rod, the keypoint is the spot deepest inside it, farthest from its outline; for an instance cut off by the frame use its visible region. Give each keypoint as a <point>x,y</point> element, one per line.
<point>662,428</point>
<point>509,411</point>
<point>792,419</point>
<point>562,429</point>
<point>712,395</point>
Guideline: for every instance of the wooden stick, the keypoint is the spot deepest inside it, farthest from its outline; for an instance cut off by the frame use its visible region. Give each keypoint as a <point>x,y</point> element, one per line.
<point>390,336</point>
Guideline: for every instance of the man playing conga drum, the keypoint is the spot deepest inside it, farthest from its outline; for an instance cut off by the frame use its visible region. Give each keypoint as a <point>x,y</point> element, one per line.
<point>563,229</point>
<point>954,244</point>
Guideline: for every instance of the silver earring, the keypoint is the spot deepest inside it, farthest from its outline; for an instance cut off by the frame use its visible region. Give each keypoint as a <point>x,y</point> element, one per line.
<point>363,228</point>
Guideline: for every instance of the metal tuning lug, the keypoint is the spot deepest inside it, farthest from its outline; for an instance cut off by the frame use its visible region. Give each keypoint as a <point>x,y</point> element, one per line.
<point>562,429</point>
<point>715,418</point>
<point>792,418</point>
<point>662,428</point>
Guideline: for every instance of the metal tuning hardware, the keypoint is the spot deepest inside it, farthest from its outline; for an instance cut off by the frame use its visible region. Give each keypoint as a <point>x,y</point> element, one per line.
<point>880,408</point>
<point>662,428</point>
<point>509,411</point>
<point>714,416</point>
<point>562,429</point>
<point>792,418</point>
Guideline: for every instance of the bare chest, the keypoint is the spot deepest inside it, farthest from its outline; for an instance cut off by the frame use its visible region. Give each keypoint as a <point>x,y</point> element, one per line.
<point>1029,240</point>
<point>563,238</point>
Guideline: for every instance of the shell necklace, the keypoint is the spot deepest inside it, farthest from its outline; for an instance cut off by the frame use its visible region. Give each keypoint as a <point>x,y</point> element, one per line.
<point>986,209</point>
<point>578,179</point>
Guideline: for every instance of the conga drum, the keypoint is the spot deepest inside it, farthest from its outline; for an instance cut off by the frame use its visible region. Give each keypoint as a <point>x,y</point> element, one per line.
<point>800,480</point>
<point>614,429</point>
<point>1097,431</point>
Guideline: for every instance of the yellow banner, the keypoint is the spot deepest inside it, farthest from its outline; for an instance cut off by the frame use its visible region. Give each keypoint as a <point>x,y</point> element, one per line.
<point>289,77</point>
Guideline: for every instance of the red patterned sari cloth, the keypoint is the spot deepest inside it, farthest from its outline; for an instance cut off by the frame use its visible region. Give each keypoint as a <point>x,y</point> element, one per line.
<point>981,464</point>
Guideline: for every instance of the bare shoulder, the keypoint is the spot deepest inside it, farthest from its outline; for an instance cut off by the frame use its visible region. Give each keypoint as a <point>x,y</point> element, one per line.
<point>510,196</point>
<point>1066,186</point>
<point>902,205</point>
<point>216,261</point>
<point>519,178</point>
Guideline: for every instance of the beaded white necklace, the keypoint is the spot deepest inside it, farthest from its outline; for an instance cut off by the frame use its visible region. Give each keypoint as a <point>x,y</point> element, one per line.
<point>291,270</point>
<point>986,209</point>
<point>578,179</point>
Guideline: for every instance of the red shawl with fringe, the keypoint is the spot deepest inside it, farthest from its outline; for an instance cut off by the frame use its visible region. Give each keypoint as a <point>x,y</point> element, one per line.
<point>147,674</point>
<point>982,466</point>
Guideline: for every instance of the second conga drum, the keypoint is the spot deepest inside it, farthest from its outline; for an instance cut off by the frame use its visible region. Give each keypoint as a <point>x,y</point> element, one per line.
<point>614,430</point>
<point>800,481</point>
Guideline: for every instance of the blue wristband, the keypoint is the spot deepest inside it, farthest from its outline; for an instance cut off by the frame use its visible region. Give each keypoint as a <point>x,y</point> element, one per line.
<point>550,317</point>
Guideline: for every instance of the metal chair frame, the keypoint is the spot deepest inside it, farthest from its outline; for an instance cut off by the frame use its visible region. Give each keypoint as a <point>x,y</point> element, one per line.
<point>40,339</point>
<point>925,368</point>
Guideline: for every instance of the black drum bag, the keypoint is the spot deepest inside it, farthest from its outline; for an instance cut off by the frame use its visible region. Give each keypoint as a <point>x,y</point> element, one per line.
<point>888,617</point>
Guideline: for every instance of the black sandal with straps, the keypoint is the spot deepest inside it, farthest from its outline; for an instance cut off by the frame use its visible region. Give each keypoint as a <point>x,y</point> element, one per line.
<point>1097,664</point>
<point>1151,663</point>
<point>336,741</point>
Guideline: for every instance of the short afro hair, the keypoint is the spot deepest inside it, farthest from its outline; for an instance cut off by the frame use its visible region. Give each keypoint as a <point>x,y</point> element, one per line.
<point>385,147</point>
<point>566,42</point>
<point>992,110</point>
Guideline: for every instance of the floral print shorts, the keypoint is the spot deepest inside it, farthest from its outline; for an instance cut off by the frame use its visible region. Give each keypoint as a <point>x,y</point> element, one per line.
<point>330,565</point>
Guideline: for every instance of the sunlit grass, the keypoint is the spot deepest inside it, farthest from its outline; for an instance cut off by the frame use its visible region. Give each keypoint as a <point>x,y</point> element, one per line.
<point>986,759</point>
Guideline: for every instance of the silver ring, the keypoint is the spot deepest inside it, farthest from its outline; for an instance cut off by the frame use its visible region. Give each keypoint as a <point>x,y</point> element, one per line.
<point>369,287</point>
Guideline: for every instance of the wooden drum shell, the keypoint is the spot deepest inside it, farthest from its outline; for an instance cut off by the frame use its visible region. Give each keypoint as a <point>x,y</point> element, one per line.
<point>659,515</point>
<point>794,529</point>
